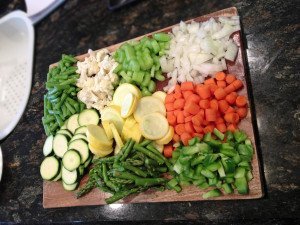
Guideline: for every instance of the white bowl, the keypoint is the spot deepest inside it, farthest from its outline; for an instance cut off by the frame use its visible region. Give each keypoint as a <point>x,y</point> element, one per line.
<point>16,58</point>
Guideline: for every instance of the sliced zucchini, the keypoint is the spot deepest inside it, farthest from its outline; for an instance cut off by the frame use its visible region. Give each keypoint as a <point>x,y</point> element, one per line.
<point>48,146</point>
<point>82,147</point>
<point>66,132</point>
<point>81,170</point>
<point>71,160</point>
<point>72,124</point>
<point>58,177</point>
<point>69,177</point>
<point>79,136</point>
<point>88,116</point>
<point>60,145</point>
<point>88,161</point>
<point>70,187</point>
<point>50,168</point>
<point>81,130</point>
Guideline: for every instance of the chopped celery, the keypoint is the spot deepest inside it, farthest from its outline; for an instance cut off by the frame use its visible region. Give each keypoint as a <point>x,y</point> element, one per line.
<point>241,185</point>
<point>207,173</point>
<point>213,166</point>
<point>239,136</point>
<point>212,193</point>
<point>227,188</point>
<point>239,172</point>
<point>219,134</point>
<point>207,137</point>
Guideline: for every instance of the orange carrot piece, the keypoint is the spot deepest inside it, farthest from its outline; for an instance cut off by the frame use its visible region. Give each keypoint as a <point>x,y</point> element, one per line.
<point>188,118</point>
<point>230,78</point>
<point>192,108</point>
<point>221,83</point>
<point>176,112</point>
<point>177,88</point>
<point>186,94</point>
<point>187,86</point>
<point>176,138</point>
<point>242,112</point>
<point>231,127</point>
<point>186,113</point>
<point>210,81</point>
<point>177,95</point>
<point>210,115</point>
<point>179,103</point>
<point>219,120</point>
<point>212,88</point>
<point>204,92</point>
<point>231,98</point>
<point>208,129</point>
<point>197,119</point>
<point>168,149</point>
<point>230,88</point>
<point>214,104</point>
<point>169,98</point>
<point>220,93</point>
<point>180,117</point>
<point>205,122</point>
<point>201,113</point>
<point>189,127</point>
<point>237,84</point>
<point>198,129</point>
<point>179,129</point>
<point>241,101</point>
<point>231,118</point>
<point>223,105</point>
<point>169,107</point>
<point>220,76</point>
<point>171,119</point>
<point>221,127</point>
<point>204,104</point>
<point>185,137</point>
<point>194,98</point>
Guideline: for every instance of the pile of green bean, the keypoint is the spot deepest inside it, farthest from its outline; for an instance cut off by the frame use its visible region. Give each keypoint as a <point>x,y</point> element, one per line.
<point>139,61</point>
<point>135,169</point>
<point>61,101</point>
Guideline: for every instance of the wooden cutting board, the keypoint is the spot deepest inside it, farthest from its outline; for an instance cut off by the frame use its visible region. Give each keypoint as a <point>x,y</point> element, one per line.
<point>55,196</point>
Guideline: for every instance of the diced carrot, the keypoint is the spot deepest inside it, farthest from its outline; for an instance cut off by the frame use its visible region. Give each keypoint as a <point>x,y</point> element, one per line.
<point>204,92</point>
<point>179,129</point>
<point>186,94</point>
<point>230,88</point>
<point>220,93</point>
<point>169,98</point>
<point>188,118</point>
<point>242,112</point>
<point>241,101</point>
<point>194,98</point>
<point>177,95</point>
<point>205,122</point>
<point>179,103</point>
<point>185,137</point>
<point>230,78</point>
<point>177,88</point>
<point>169,106</point>
<point>171,119</point>
<point>231,127</point>
<point>197,87</point>
<point>200,136</point>
<point>210,115</point>
<point>187,86</point>
<point>212,88</point>
<point>231,118</point>
<point>198,129</point>
<point>204,104</point>
<point>230,110</point>
<point>223,105</point>
<point>221,127</point>
<point>176,138</point>
<point>186,113</point>
<point>189,127</point>
<point>220,76</point>
<point>175,112</point>
<point>170,113</point>
<point>219,120</point>
<point>230,98</point>
<point>180,117</point>
<point>168,149</point>
<point>201,112</point>
<point>197,119</point>
<point>221,83</point>
<point>210,81</point>
<point>237,84</point>
<point>208,128</point>
<point>236,118</point>
<point>214,104</point>
<point>192,108</point>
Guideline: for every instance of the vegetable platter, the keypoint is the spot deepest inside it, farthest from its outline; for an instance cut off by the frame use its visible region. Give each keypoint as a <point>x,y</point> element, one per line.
<point>196,144</point>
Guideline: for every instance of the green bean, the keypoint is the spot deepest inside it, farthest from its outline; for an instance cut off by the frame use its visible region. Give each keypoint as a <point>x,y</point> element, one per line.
<point>62,100</point>
<point>149,154</point>
<point>70,108</point>
<point>82,106</point>
<point>69,71</point>
<point>61,87</point>
<point>55,100</point>
<point>53,127</point>
<point>53,112</point>
<point>162,37</point>
<point>71,89</point>
<point>64,110</point>
<point>48,119</point>
<point>76,106</point>
<point>59,120</point>
<point>71,101</point>
<point>69,81</point>
<point>69,58</point>
<point>152,86</point>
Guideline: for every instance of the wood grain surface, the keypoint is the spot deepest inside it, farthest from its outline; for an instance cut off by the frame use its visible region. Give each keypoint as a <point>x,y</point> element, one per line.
<point>55,196</point>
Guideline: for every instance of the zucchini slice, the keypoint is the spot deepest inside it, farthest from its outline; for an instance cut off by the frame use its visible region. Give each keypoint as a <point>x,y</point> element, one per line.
<point>82,147</point>
<point>60,145</point>
<point>88,116</point>
<point>79,136</point>
<point>66,132</point>
<point>48,146</point>
<point>70,187</point>
<point>81,169</point>
<point>50,168</point>
<point>69,177</point>
<point>58,177</point>
<point>72,124</point>
<point>81,130</point>
<point>71,160</point>
<point>88,161</point>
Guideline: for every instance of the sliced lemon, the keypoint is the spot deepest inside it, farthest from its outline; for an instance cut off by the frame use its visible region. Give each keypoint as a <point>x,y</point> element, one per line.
<point>113,114</point>
<point>116,135</point>
<point>107,130</point>
<point>166,139</point>
<point>160,95</point>
<point>154,126</point>
<point>123,90</point>
<point>97,136</point>
<point>128,105</point>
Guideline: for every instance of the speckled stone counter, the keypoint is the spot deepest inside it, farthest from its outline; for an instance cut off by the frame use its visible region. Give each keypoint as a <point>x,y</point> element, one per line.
<point>271,35</point>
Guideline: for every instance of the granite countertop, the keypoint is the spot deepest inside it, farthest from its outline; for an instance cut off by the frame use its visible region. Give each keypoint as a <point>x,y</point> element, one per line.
<point>272,45</point>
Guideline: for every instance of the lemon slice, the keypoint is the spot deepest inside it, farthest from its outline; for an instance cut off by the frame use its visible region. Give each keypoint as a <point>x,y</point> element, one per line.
<point>154,126</point>
<point>166,139</point>
<point>160,95</point>
<point>123,90</point>
<point>129,105</point>
<point>96,135</point>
